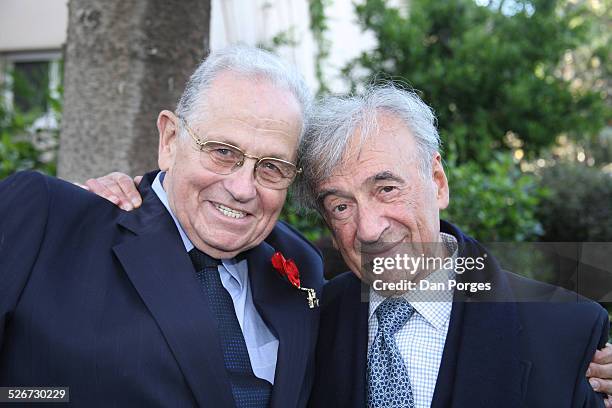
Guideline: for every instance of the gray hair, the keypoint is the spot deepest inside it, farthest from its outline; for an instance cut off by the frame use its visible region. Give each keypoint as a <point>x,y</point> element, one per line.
<point>244,60</point>
<point>334,121</point>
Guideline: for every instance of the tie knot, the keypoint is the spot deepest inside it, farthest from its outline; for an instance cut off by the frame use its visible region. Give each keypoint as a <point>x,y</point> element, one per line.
<point>202,260</point>
<point>392,314</point>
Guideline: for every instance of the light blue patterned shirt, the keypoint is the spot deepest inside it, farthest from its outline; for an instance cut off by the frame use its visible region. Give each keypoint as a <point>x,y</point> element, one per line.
<point>421,340</point>
<point>261,344</point>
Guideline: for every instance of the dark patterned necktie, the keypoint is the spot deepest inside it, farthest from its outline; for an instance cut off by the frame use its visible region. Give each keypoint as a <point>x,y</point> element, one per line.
<point>388,381</point>
<point>248,390</point>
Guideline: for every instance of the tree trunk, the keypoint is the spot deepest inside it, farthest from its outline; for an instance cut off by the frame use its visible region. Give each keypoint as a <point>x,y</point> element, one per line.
<point>124,62</point>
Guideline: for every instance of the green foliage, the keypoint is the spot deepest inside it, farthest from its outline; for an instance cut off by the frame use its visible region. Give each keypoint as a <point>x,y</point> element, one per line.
<point>579,206</point>
<point>318,26</point>
<point>311,225</point>
<point>20,155</point>
<point>487,71</point>
<point>284,38</point>
<point>17,152</point>
<point>496,202</point>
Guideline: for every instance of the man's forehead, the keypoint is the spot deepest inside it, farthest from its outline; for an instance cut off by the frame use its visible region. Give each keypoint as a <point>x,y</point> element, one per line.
<point>243,116</point>
<point>364,160</point>
<point>348,183</point>
<point>252,114</point>
<point>382,155</point>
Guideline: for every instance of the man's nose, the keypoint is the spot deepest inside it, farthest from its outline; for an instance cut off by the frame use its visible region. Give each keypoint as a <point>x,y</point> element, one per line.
<point>371,224</point>
<point>241,183</point>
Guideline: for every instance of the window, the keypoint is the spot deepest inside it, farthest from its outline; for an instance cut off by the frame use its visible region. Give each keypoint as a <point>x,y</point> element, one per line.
<point>30,78</point>
<point>30,86</point>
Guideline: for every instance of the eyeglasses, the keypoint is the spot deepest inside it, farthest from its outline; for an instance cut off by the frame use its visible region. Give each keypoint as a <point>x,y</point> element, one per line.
<point>224,158</point>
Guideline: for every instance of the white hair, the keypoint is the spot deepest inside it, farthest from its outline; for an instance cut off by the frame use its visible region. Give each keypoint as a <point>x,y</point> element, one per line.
<point>334,120</point>
<point>247,61</point>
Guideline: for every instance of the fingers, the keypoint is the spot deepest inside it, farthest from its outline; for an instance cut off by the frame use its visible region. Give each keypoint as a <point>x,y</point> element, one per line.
<point>100,189</point>
<point>117,188</point>
<point>601,385</point>
<point>603,371</point>
<point>137,180</point>
<point>603,356</point>
<point>129,189</point>
<point>600,373</point>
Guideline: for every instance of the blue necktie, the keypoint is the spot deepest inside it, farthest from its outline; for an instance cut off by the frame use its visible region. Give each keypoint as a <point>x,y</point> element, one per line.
<point>388,380</point>
<point>248,390</point>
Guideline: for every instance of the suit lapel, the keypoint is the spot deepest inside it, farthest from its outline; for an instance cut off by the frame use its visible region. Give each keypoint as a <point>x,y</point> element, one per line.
<point>158,266</point>
<point>481,356</point>
<point>285,310</point>
<point>357,350</point>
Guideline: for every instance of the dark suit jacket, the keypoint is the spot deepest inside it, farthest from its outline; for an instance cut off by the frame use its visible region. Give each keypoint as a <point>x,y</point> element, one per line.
<point>497,354</point>
<point>106,302</point>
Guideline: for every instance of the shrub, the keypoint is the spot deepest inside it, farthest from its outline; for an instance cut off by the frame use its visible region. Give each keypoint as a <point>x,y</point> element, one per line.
<point>579,204</point>
<point>497,203</point>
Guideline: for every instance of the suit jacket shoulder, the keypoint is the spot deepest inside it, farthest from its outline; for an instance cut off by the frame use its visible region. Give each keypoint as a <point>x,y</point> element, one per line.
<point>335,289</point>
<point>551,307</point>
<point>558,324</point>
<point>294,245</point>
<point>284,235</point>
<point>24,211</point>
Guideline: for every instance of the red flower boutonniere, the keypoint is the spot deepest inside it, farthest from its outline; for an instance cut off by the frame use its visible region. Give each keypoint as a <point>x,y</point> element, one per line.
<point>288,269</point>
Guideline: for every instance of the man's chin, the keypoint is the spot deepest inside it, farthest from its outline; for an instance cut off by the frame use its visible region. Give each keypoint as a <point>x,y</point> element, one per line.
<point>225,249</point>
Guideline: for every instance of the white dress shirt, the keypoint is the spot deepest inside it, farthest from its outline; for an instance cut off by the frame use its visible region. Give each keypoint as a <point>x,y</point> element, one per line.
<point>261,344</point>
<point>421,340</point>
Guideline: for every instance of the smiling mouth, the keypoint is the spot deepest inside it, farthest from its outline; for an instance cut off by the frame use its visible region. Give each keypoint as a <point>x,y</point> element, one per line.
<point>230,212</point>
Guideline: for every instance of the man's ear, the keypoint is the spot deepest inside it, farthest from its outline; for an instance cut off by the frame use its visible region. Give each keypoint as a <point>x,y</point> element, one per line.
<point>167,125</point>
<point>440,181</point>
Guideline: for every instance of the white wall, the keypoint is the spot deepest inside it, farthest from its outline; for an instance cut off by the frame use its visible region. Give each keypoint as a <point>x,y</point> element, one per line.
<point>27,25</point>
<point>347,42</point>
<point>256,22</point>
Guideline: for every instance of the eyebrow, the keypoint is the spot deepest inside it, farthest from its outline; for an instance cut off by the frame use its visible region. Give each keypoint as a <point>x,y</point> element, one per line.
<point>382,176</point>
<point>385,176</point>
<point>332,191</point>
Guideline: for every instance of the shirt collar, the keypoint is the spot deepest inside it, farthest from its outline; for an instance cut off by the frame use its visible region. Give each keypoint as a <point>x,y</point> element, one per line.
<point>163,197</point>
<point>231,265</point>
<point>435,312</point>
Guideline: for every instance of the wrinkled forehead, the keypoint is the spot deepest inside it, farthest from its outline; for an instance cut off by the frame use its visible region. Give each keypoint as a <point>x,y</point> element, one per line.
<point>387,154</point>
<point>384,144</point>
<point>250,114</point>
<point>248,95</point>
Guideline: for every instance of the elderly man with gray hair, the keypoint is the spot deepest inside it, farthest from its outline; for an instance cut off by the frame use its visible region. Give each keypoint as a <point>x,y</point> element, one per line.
<point>434,336</point>
<point>184,301</point>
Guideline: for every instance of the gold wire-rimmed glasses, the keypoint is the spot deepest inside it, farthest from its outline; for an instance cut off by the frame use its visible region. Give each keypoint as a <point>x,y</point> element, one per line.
<point>224,158</point>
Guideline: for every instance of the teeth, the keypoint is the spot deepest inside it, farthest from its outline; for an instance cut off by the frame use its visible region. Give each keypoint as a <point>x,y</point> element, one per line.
<point>229,212</point>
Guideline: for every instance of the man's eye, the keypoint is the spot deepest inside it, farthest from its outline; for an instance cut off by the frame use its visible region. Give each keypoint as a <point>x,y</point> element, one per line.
<point>270,166</point>
<point>388,189</point>
<point>223,152</point>
<point>340,208</point>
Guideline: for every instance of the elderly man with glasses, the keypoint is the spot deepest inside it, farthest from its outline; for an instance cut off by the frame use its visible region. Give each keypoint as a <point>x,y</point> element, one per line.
<point>193,299</point>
